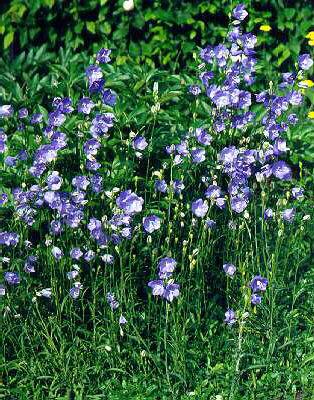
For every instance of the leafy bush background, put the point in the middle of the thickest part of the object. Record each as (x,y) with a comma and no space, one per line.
(156,32)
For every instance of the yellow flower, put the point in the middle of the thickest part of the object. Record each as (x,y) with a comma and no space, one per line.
(310,35)
(311,43)
(307,83)
(311,114)
(265,28)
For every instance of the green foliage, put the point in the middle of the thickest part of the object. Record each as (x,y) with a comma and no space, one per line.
(65,349)
(152,30)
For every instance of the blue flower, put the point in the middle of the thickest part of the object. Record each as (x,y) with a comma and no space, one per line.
(94,74)
(282,171)
(230,317)
(288,215)
(57,253)
(198,155)
(268,214)
(199,208)
(305,61)
(166,267)
(113,303)
(297,193)
(122,320)
(195,90)
(23,113)
(9,238)
(161,186)
(103,56)
(85,105)
(229,269)
(203,137)
(213,192)
(171,291)
(151,223)
(256,299)
(239,12)
(157,286)
(6,111)
(258,284)
(76,253)
(139,143)
(36,118)
(109,97)
(12,278)
(129,202)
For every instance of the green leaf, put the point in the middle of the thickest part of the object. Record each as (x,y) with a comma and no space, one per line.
(289,13)
(8,39)
(90,25)
(21,10)
(285,54)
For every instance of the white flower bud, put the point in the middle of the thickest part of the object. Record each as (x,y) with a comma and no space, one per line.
(246,215)
(128,5)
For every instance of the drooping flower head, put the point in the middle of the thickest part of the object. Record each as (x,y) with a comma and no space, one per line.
(305,61)
(297,193)
(76,290)
(230,317)
(6,111)
(80,182)
(239,12)
(166,267)
(288,214)
(198,155)
(268,214)
(57,253)
(203,137)
(30,263)
(54,181)
(161,186)
(139,143)
(76,253)
(36,118)
(122,320)
(109,97)
(151,223)
(23,113)
(111,299)
(256,299)
(258,284)
(107,258)
(93,73)
(178,186)
(2,290)
(9,238)
(229,269)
